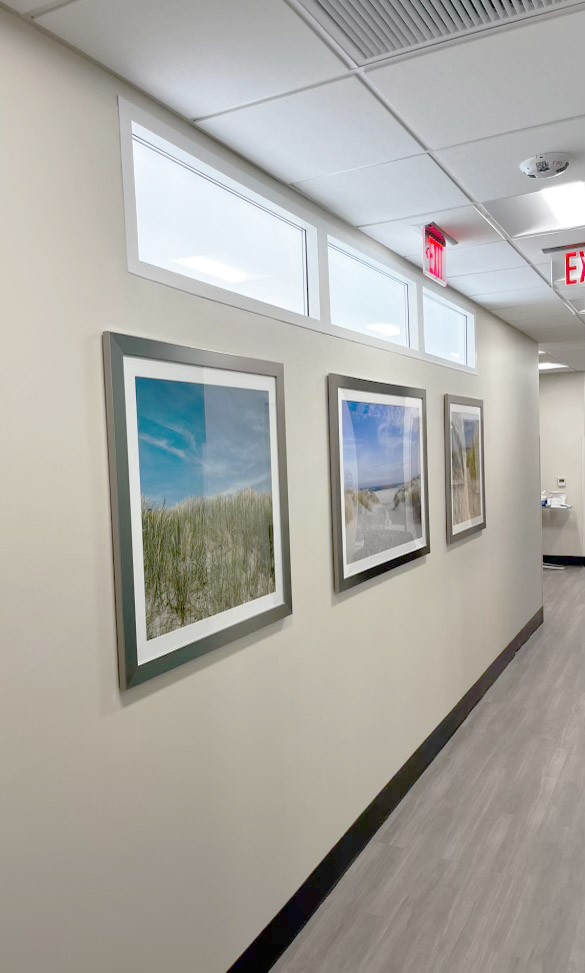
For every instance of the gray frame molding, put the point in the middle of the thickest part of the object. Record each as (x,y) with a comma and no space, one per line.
(478,403)
(334,383)
(116,348)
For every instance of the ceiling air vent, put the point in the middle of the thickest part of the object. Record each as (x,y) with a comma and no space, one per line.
(369,30)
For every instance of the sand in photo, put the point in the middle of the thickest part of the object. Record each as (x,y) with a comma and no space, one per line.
(382,477)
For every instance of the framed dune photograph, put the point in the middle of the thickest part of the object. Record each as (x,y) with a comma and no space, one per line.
(199,500)
(379,485)
(464,467)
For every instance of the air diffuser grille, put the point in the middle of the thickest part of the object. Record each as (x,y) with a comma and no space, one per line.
(370,29)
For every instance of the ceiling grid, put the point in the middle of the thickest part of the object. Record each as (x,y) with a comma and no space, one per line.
(390,113)
(370,29)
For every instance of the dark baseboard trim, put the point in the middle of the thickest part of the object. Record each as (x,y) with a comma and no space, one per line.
(567,559)
(263,953)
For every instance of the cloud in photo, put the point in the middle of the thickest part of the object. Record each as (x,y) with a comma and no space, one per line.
(381,444)
(200,440)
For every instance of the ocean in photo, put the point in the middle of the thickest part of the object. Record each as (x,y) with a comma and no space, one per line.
(382,484)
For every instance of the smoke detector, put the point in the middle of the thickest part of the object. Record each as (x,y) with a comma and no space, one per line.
(545,165)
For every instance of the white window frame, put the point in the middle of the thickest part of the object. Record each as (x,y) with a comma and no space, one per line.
(206,163)
(470,332)
(412,336)
(320,229)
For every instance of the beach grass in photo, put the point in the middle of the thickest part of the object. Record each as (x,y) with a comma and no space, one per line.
(465,467)
(381,477)
(207,518)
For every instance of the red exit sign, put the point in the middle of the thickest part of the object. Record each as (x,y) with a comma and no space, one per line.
(574,268)
(568,269)
(434,254)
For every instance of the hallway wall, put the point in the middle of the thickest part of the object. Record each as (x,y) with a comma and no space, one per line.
(562,453)
(160,830)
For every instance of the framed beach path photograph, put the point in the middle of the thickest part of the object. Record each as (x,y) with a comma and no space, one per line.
(199,500)
(379,485)
(464,467)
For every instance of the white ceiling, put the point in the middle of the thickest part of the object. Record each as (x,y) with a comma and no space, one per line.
(390,191)
(435,136)
(502,82)
(465,224)
(196,56)
(359,132)
(488,168)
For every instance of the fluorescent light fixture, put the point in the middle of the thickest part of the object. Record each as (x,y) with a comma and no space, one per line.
(385,330)
(213,268)
(566,203)
(543,366)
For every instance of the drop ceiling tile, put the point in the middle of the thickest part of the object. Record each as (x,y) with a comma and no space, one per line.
(550,334)
(489,85)
(579,304)
(541,324)
(332,128)
(567,294)
(402,238)
(543,265)
(533,246)
(477,260)
(536,315)
(495,281)
(198,57)
(566,326)
(489,169)
(537,302)
(553,332)
(528,215)
(390,191)
(545,308)
(559,332)
(463,223)
(516,298)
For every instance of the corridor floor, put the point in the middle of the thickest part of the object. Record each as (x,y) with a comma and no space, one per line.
(481,868)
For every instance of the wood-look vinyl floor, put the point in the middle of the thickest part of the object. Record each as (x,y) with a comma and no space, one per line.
(481,868)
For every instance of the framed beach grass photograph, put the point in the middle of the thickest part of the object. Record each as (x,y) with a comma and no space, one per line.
(379,484)
(464,467)
(199,500)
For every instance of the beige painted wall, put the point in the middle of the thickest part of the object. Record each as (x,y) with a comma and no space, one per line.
(562,432)
(161,830)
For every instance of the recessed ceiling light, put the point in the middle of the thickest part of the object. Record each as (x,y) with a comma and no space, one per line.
(386,330)
(545,365)
(213,268)
(566,203)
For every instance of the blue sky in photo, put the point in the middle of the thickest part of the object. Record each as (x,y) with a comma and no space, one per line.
(199,440)
(373,444)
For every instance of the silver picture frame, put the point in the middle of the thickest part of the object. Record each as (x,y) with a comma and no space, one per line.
(379,477)
(464,467)
(187,375)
